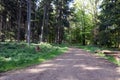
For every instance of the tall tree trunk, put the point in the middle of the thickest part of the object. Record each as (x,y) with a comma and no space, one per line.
(19,22)
(47,21)
(43,24)
(83,26)
(0,24)
(56,27)
(94,5)
(59,21)
(28,20)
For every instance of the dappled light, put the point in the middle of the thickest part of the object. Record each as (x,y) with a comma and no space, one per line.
(75,64)
(82,37)
(13,56)
(118,70)
(92,68)
(46,65)
(32,71)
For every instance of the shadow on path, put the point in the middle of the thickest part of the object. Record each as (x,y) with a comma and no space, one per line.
(76,64)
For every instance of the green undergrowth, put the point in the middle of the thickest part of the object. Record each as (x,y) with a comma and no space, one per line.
(92,49)
(15,56)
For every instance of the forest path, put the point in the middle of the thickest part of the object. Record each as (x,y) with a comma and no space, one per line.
(76,64)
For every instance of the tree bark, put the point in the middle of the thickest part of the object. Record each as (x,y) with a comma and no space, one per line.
(0,24)
(28,20)
(43,24)
(19,22)
(47,21)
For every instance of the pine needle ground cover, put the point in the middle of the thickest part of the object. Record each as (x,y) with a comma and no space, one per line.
(15,56)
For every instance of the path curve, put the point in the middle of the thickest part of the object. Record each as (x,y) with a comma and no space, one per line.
(76,64)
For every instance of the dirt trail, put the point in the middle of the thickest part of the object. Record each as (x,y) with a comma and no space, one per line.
(76,64)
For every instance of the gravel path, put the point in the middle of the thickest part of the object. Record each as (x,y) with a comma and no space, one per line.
(76,64)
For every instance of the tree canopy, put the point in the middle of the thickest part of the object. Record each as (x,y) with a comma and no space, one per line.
(58,21)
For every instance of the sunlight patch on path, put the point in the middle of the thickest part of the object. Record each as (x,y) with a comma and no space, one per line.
(88,67)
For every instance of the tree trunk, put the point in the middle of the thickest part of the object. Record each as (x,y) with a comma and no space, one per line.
(47,21)
(59,22)
(0,24)
(43,24)
(83,28)
(28,20)
(19,22)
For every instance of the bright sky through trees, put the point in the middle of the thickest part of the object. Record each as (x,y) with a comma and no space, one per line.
(86,4)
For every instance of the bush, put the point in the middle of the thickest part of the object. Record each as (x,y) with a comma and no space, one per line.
(13,55)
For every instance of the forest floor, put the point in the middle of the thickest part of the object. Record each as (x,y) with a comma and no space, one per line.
(75,64)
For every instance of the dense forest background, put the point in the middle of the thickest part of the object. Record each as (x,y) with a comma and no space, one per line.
(95,22)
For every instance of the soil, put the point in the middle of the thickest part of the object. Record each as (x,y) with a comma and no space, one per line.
(75,64)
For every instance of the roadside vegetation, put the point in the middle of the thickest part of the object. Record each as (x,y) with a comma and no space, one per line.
(14,56)
(97,50)
(84,22)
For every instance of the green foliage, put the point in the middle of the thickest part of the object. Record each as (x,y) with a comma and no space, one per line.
(109,23)
(92,49)
(55,18)
(14,56)
(81,25)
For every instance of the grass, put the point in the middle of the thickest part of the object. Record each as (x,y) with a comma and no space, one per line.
(15,56)
(92,49)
